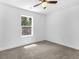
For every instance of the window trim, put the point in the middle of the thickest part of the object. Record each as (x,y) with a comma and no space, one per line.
(26,26)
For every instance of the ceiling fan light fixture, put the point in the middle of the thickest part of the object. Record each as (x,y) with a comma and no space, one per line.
(44,5)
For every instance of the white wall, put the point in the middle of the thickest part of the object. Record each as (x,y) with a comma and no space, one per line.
(63,27)
(10,28)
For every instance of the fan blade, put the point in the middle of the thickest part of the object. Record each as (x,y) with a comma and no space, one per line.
(40,0)
(52,2)
(43,0)
(37,5)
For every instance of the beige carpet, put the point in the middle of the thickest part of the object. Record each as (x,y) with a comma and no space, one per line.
(41,50)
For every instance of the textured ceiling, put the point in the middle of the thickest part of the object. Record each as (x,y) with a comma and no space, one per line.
(27,4)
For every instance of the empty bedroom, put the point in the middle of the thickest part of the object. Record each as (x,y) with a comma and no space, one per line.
(39,29)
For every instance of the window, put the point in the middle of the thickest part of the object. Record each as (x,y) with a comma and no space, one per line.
(27,25)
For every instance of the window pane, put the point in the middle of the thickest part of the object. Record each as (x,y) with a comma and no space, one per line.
(26,30)
(26,21)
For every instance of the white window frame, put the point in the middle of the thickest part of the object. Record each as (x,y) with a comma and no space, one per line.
(26,26)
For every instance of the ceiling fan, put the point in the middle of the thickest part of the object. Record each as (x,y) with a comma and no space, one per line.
(44,3)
